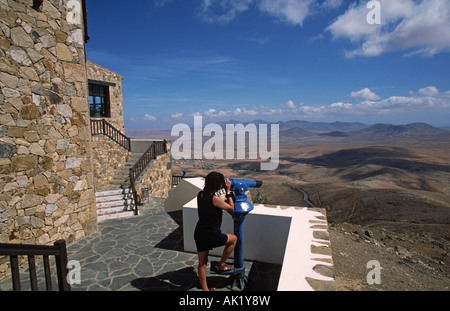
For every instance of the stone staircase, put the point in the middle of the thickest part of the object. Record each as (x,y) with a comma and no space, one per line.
(112,204)
(122,179)
(116,200)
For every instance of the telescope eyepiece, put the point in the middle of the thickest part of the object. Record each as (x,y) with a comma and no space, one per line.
(237,183)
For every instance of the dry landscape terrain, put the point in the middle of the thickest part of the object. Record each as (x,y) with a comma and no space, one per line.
(386,190)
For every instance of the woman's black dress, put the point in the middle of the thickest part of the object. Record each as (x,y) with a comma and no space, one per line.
(207,233)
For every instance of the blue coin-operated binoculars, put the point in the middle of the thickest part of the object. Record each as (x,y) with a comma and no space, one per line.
(242,207)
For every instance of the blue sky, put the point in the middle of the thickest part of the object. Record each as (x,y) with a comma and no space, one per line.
(316,60)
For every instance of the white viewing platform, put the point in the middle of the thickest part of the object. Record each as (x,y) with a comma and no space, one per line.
(297,238)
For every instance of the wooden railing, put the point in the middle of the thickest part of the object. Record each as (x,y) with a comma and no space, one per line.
(59,250)
(103,127)
(176,180)
(156,148)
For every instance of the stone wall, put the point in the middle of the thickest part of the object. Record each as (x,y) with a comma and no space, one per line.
(47,160)
(109,158)
(46,179)
(98,73)
(157,178)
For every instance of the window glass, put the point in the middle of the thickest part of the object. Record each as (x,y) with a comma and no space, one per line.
(98,100)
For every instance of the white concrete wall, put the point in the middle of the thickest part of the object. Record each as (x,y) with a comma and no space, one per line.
(299,259)
(265,232)
(184,192)
(279,235)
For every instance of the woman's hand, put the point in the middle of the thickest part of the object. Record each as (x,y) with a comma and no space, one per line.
(228,204)
(227,185)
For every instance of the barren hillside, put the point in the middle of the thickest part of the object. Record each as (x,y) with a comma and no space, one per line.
(387,199)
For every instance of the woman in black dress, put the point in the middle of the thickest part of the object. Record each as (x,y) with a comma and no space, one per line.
(207,232)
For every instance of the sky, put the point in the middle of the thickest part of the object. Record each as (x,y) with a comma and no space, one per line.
(383,61)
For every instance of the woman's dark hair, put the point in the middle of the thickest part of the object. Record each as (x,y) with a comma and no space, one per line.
(213,183)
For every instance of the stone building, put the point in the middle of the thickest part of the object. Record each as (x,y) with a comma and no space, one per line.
(46,177)
(49,92)
(106,99)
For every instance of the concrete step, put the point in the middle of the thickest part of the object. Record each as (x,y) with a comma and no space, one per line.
(120,183)
(114,192)
(109,204)
(122,178)
(113,210)
(118,203)
(117,179)
(104,217)
(109,198)
(115,203)
(123,173)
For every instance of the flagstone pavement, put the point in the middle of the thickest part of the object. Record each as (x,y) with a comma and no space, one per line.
(145,253)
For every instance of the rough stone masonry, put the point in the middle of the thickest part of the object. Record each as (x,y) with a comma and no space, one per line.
(46,175)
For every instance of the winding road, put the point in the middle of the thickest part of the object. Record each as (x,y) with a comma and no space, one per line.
(305,194)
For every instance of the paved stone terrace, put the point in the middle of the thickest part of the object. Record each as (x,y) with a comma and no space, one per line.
(146,253)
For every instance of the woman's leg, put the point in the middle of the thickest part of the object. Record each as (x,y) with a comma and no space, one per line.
(229,247)
(202,262)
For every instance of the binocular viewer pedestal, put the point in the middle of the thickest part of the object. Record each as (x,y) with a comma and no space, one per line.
(242,207)
(238,279)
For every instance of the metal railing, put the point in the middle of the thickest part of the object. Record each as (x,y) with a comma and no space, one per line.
(59,250)
(176,180)
(103,127)
(156,148)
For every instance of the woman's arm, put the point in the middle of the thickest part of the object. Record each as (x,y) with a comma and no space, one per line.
(227,205)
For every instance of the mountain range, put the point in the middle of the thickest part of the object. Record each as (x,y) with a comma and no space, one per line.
(301,129)
(297,129)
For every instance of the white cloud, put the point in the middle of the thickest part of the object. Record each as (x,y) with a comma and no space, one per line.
(366,94)
(148,117)
(288,11)
(332,4)
(214,113)
(176,115)
(222,11)
(427,99)
(368,104)
(429,91)
(289,105)
(238,112)
(415,26)
(246,112)
(291,12)
(341,105)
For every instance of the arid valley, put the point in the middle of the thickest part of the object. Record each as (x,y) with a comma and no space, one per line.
(386,190)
